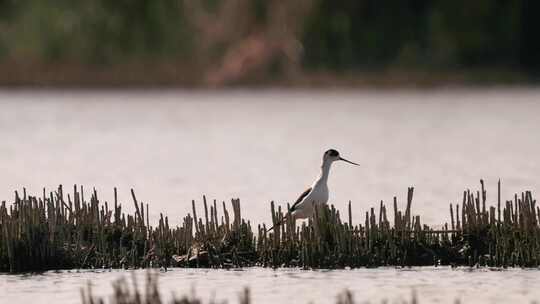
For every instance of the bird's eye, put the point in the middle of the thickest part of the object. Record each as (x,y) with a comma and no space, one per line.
(332,152)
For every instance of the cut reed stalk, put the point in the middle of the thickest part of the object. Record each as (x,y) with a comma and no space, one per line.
(41,233)
(149,293)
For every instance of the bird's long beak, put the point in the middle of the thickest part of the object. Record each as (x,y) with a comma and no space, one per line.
(348,161)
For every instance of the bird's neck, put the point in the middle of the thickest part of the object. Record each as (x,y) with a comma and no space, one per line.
(325,170)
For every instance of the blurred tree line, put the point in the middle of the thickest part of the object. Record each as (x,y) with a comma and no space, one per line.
(456,33)
(95,31)
(335,35)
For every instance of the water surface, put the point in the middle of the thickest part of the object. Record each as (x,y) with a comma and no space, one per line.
(432,285)
(175,146)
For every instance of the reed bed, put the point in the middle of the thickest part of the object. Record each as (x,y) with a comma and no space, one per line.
(123,293)
(63,231)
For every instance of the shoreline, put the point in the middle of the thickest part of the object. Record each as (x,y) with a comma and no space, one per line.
(170,75)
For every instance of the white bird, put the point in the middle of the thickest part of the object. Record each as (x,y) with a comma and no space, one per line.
(318,192)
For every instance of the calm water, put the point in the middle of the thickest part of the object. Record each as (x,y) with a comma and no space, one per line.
(174,146)
(432,285)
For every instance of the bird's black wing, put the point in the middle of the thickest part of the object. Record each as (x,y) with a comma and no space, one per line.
(300,198)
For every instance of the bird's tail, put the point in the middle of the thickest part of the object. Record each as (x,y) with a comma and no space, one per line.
(277,224)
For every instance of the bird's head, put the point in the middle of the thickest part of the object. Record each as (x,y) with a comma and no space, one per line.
(333,155)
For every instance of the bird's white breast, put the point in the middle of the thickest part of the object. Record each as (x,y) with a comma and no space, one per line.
(318,195)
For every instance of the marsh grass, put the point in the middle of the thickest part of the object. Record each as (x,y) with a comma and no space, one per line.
(62,231)
(126,293)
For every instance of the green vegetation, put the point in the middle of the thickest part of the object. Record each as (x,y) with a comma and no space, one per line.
(228,41)
(92,31)
(58,231)
(429,34)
